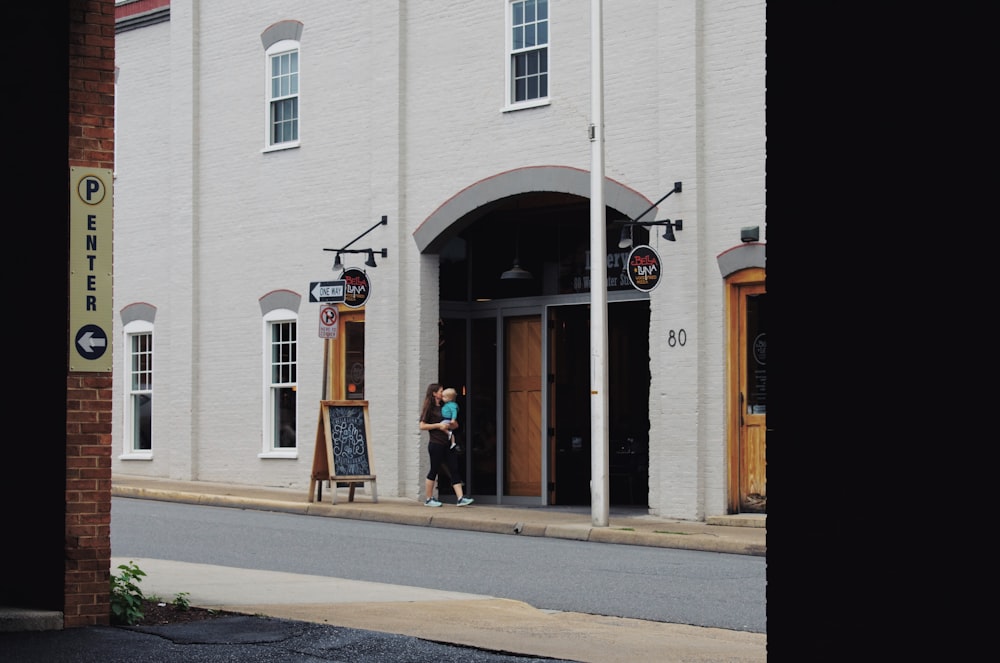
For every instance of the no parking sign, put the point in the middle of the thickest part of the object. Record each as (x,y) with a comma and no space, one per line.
(328,318)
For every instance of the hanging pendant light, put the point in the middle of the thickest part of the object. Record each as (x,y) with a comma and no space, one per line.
(516,272)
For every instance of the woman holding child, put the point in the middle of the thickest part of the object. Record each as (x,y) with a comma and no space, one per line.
(437,446)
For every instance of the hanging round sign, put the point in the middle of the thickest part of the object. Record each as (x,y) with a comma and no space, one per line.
(644,268)
(357,287)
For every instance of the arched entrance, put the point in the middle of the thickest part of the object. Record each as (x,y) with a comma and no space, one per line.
(517,349)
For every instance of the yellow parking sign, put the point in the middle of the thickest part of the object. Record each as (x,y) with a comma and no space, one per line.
(91,221)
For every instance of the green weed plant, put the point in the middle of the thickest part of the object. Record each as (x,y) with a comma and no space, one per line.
(126,597)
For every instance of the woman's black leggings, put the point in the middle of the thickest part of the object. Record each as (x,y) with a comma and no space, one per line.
(442,456)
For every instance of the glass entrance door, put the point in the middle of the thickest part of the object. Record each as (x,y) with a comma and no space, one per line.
(483,410)
(526,412)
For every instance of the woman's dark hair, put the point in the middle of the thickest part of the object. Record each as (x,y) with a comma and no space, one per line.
(429,399)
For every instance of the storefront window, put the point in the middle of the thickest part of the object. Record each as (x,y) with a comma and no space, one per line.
(354,360)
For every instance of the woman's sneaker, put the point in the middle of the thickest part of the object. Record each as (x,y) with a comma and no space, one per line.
(465,501)
(432,502)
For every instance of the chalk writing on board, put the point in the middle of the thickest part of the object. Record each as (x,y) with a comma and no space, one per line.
(350,446)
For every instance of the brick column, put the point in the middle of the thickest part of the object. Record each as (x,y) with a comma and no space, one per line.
(88,500)
(88,395)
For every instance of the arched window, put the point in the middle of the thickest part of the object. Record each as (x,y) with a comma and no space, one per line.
(138,425)
(280,383)
(527,42)
(281,46)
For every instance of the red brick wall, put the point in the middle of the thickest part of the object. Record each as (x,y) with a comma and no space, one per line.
(140,6)
(88,395)
(92,83)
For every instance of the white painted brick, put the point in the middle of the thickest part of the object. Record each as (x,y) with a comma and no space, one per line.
(400,112)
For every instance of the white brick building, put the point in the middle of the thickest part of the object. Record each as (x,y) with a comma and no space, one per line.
(229,187)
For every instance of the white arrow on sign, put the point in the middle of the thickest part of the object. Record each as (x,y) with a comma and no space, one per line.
(87,342)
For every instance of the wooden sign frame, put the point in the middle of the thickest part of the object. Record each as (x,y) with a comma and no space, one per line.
(337,441)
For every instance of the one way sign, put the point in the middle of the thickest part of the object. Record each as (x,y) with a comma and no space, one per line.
(327,291)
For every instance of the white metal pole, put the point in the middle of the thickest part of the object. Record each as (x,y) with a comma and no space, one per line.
(598,281)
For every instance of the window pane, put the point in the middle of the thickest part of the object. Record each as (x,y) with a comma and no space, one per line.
(519,65)
(284,351)
(543,9)
(142,361)
(532,63)
(756,354)
(142,424)
(284,118)
(285,74)
(531,75)
(354,351)
(518,38)
(140,386)
(529,35)
(284,417)
(481,420)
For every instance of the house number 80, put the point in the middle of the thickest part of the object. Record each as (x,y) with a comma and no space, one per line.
(678,337)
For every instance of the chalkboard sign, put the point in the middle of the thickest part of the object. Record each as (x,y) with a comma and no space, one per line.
(345,441)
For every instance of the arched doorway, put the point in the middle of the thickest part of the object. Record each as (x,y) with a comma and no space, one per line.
(517,349)
(746,320)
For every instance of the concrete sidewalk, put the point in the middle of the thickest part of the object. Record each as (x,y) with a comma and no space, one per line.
(471,620)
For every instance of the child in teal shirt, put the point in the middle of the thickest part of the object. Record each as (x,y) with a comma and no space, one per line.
(450,411)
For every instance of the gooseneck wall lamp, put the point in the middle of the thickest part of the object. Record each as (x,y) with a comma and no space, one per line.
(625,241)
(338,264)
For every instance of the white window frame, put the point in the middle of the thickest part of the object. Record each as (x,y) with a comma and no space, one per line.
(270,443)
(279,49)
(132,329)
(511,52)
